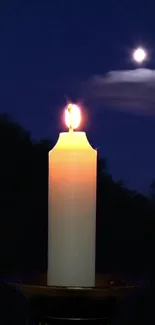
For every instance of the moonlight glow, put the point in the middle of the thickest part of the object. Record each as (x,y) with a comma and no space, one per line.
(139,55)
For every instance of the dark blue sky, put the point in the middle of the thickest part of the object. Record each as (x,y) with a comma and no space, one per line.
(48,48)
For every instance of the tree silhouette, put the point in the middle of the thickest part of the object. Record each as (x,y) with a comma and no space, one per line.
(152,190)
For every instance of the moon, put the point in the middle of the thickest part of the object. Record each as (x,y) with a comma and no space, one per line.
(139,55)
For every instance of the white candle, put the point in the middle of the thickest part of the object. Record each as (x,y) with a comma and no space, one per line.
(72,211)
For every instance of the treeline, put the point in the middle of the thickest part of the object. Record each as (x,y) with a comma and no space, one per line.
(125,219)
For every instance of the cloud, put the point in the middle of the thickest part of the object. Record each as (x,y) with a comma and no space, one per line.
(131,90)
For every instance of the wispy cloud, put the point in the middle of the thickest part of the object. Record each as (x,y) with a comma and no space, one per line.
(132,90)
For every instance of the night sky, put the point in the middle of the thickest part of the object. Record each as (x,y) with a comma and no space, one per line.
(51,51)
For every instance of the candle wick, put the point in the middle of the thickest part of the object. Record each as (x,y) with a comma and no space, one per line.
(70,112)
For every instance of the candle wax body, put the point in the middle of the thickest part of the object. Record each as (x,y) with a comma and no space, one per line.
(72,211)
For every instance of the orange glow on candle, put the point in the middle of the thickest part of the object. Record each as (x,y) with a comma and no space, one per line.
(72,211)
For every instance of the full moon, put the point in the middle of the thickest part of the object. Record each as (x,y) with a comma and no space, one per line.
(139,55)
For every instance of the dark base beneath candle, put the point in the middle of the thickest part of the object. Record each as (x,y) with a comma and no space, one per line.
(52,304)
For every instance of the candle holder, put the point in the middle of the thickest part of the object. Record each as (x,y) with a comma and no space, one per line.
(99,304)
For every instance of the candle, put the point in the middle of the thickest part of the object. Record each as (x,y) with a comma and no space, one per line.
(72,209)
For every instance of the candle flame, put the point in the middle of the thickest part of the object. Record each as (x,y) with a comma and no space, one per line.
(72,116)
